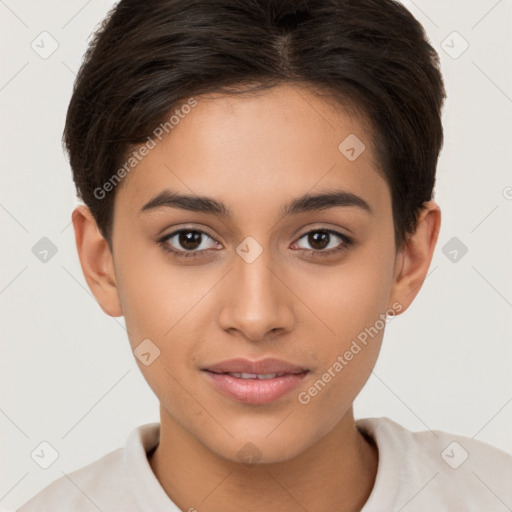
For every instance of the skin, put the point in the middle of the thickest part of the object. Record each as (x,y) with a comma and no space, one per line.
(255,153)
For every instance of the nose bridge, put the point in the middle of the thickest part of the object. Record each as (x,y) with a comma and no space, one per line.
(256,302)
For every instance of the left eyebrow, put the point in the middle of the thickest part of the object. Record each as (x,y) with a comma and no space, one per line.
(304,203)
(323,201)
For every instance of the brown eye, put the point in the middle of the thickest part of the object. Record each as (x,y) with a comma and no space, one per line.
(321,239)
(187,242)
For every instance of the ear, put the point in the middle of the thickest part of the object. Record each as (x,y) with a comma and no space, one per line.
(96,260)
(414,258)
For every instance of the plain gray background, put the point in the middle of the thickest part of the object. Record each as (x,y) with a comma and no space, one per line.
(67,374)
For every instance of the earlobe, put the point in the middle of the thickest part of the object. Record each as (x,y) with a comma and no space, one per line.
(415,257)
(96,261)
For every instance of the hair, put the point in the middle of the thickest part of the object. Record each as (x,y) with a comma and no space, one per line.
(148,56)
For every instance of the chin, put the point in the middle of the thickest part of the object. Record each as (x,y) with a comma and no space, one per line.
(255,450)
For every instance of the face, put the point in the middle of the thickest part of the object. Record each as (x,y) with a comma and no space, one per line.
(303,286)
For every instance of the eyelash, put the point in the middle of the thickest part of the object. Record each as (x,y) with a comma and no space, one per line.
(347,242)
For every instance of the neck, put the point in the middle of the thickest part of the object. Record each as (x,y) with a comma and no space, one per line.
(336,472)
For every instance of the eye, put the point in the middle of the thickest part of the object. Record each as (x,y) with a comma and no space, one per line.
(186,242)
(322,239)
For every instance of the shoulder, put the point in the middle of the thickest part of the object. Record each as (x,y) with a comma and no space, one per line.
(105,484)
(82,490)
(433,468)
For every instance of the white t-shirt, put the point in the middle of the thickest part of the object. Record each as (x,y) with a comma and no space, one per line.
(417,472)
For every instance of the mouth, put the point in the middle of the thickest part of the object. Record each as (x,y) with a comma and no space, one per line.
(268,366)
(260,376)
(255,382)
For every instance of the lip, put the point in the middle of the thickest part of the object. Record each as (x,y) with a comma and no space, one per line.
(263,366)
(255,391)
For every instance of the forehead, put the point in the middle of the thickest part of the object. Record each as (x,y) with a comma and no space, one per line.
(252,149)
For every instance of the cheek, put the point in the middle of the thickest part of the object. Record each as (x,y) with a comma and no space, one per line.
(158,308)
(349,355)
(350,297)
(163,303)
(153,294)
(352,305)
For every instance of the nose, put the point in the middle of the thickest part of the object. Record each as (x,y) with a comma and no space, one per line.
(257,302)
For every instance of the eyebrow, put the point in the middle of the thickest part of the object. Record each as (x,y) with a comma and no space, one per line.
(305,203)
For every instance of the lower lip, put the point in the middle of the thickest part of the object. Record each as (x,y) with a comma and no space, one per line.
(255,391)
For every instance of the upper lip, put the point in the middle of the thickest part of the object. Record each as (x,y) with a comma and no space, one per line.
(261,367)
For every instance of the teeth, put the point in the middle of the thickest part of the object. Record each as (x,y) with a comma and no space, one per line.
(256,376)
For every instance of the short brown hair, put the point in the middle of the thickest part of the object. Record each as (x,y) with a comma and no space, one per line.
(148,55)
